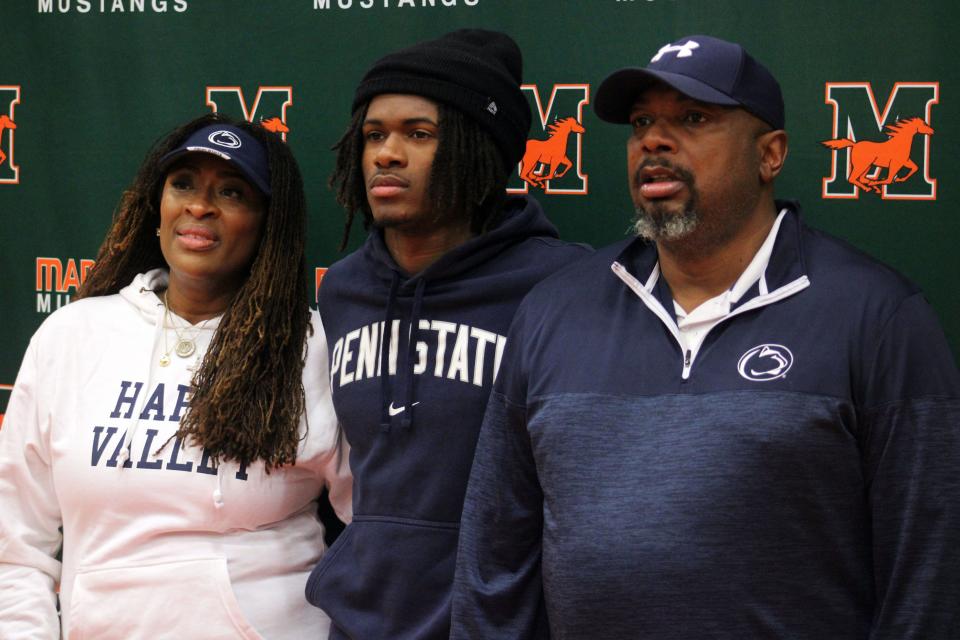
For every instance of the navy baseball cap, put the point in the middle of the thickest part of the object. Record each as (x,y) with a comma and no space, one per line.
(234,145)
(704,68)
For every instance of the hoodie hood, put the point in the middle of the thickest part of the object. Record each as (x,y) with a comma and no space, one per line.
(522,218)
(143,294)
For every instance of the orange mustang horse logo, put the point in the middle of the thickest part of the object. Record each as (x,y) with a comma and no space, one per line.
(5,123)
(274,124)
(549,154)
(892,154)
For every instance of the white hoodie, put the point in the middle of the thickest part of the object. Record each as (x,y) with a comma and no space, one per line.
(166,545)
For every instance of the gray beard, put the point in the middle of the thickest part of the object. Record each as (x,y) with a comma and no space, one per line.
(655,225)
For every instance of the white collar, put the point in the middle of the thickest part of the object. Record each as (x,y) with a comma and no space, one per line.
(755,271)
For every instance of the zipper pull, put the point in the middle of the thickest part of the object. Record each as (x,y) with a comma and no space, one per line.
(686,358)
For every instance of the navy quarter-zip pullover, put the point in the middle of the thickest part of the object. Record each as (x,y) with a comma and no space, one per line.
(797,481)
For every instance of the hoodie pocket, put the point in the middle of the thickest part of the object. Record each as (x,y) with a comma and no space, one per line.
(388,577)
(189,599)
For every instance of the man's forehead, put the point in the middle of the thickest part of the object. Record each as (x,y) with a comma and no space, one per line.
(406,107)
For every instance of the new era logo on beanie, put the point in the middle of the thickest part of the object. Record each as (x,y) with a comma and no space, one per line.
(702,67)
(474,70)
(234,145)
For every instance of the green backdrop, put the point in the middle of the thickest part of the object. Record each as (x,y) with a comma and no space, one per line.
(90,84)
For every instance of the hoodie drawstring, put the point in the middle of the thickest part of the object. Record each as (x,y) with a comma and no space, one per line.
(218,492)
(411,347)
(158,328)
(404,369)
(384,356)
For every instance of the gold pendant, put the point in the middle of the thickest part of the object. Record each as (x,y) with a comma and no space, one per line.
(185,348)
(164,360)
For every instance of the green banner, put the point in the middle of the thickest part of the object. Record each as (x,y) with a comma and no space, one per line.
(87,85)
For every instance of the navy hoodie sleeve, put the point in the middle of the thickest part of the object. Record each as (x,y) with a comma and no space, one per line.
(911,446)
(497,589)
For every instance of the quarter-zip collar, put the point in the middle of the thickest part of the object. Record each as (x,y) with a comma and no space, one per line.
(782,275)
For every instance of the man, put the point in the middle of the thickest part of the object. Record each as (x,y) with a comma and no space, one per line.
(416,319)
(732,426)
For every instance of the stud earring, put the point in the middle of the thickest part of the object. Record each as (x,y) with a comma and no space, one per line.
(158,232)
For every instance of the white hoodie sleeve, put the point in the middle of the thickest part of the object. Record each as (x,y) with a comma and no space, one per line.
(340,482)
(30,522)
(322,418)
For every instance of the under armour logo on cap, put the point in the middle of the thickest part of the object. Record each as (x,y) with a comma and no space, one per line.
(704,68)
(683,51)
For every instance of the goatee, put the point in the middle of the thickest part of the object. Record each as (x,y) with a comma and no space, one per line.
(654,222)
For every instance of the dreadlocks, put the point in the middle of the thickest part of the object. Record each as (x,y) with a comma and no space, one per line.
(248,394)
(468,175)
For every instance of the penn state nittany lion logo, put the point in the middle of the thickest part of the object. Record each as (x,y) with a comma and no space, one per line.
(868,159)
(765,362)
(226,139)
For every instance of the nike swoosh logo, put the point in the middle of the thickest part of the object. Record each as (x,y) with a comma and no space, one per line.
(395,411)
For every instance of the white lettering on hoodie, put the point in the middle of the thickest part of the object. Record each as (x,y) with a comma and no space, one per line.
(447,350)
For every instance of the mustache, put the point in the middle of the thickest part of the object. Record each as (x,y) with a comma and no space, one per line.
(684,175)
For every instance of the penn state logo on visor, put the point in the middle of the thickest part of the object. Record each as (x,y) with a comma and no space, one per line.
(224,139)
(765,362)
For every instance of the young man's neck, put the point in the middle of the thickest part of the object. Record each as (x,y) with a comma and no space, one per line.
(415,250)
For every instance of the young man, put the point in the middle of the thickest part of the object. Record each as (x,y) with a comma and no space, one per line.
(416,319)
(760,424)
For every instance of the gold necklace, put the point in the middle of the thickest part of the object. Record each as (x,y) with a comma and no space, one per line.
(185,345)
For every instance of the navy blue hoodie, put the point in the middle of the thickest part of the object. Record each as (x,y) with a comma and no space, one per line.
(411,410)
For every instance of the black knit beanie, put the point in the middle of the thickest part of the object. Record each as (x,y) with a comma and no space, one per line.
(474,70)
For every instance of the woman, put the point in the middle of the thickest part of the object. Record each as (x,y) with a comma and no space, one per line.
(192,523)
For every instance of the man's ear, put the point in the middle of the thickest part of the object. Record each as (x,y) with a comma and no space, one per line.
(772,150)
